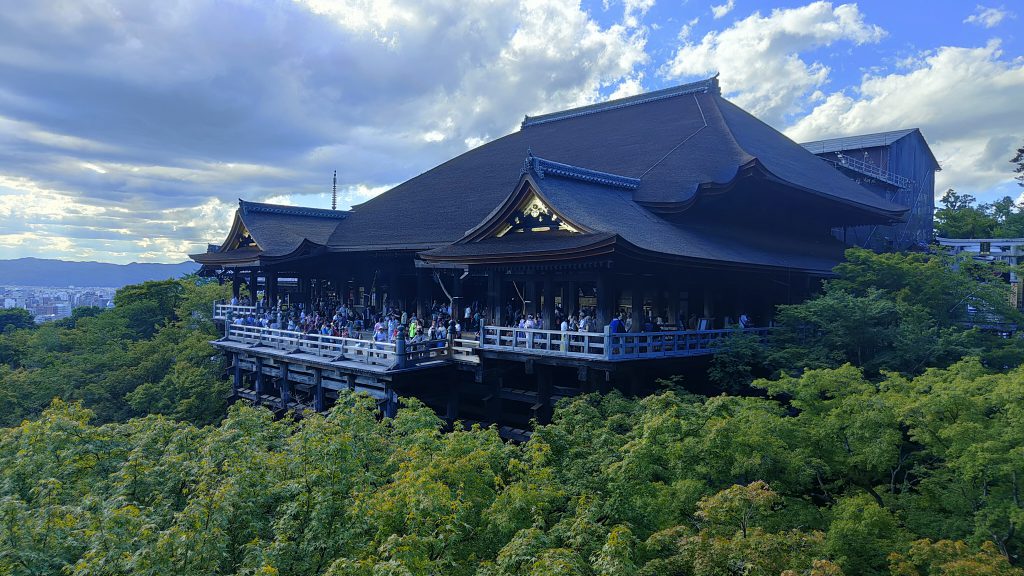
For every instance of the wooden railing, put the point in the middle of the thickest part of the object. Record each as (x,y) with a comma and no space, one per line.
(464,350)
(608,346)
(328,347)
(544,342)
(221,311)
(582,345)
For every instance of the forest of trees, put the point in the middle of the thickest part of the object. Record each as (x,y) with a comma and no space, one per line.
(875,434)
(148,355)
(960,216)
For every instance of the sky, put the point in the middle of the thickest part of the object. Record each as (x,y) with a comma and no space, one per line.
(130,129)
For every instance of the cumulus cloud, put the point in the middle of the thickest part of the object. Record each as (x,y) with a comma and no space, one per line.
(965,100)
(686,29)
(988,17)
(158,113)
(634,10)
(776,86)
(721,10)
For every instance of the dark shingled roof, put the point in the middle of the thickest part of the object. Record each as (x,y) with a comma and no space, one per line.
(238,256)
(277,229)
(610,211)
(862,141)
(676,142)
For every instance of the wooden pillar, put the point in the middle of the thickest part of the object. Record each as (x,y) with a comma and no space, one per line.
(660,302)
(458,302)
(423,291)
(495,300)
(544,387)
(271,294)
(236,382)
(286,390)
(529,289)
(709,304)
(254,278)
(236,284)
(306,286)
(492,402)
(390,402)
(570,297)
(318,390)
(259,380)
(394,291)
(549,304)
(452,404)
(672,304)
(606,299)
(637,306)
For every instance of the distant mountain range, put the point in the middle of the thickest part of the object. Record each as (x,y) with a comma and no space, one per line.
(41,272)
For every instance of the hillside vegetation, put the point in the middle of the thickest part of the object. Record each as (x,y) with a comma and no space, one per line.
(876,435)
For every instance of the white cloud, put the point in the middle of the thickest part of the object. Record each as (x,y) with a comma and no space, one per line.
(721,10)
(202,100)
(634,10)
(965,100)
(759,57)
(988,17)
(684,32)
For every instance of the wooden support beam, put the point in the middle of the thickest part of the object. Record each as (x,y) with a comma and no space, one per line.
(423,292)
(544,378)
(259,379)
(452,404)
(637,307)
(318,391)
(286,391)
(549,322)
(236,382)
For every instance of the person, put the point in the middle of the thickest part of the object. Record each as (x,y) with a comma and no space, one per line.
(617,325)
(691,324)
(565,334)
(744,321)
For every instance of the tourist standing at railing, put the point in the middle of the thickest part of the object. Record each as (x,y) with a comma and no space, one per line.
(744,321)
(617,325)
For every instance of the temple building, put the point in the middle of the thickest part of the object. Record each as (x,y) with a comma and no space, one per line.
(897,165)
(675,210)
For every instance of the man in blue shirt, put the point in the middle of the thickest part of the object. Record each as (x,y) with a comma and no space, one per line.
(617,326)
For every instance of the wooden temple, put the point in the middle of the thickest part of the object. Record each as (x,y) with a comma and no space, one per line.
(676,209)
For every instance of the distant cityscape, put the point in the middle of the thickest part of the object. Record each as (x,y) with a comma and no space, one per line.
(48,303)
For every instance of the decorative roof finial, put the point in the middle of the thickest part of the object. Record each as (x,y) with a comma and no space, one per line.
(334,192)
(529,160)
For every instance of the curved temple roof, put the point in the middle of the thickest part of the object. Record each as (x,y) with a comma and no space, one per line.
(275,230)
(636,159)
(676,143)
(608,219)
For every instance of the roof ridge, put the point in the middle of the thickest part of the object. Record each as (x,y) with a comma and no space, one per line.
(543,167)
(263,207)
(706,86)
(852,137)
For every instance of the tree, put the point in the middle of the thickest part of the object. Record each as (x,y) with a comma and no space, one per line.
(15,319)
(960,218)
(1018,169)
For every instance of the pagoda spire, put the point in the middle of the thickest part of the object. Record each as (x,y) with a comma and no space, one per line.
(334,192)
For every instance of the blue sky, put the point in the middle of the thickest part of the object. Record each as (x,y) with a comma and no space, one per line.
(128,130)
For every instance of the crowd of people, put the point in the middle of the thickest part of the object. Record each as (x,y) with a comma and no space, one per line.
(332,317)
